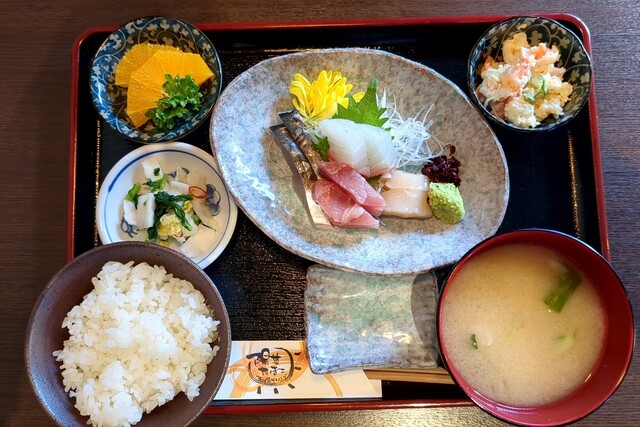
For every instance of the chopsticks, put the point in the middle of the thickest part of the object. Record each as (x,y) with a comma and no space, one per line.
(436,375)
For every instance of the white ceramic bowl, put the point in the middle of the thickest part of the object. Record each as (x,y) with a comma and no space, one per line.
(127,171)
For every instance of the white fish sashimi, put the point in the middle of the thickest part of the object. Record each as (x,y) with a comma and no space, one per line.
(346,140)
(406,203)
(346,143)
(381,153)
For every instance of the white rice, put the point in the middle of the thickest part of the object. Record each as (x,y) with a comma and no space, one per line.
(140,337)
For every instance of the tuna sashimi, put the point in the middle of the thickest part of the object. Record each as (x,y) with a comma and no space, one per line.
(354,184)
(340,207)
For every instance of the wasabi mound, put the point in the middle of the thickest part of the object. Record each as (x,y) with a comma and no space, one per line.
(446,202)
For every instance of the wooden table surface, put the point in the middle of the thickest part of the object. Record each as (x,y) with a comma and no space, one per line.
(36,40)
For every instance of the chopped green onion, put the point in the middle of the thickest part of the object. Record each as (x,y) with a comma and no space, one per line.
(474,342)
(567,283)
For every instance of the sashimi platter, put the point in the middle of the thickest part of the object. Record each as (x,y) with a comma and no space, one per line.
(361,160)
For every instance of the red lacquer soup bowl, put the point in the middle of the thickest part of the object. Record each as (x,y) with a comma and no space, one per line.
(615,356)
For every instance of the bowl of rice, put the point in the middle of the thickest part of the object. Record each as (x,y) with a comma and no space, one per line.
(128,333)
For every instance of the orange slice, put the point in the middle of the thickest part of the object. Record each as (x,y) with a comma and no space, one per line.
(138,118)
(135,58)
(145,84)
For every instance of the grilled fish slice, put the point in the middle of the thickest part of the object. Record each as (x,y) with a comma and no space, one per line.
(303,175)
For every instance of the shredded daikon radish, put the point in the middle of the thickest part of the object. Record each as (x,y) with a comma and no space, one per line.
(411,136)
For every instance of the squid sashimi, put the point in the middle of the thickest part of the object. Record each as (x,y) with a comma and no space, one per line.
(405,195)
(381,154)
(406,203)
(404,180)
(354,184)
(346,143)
(340,208)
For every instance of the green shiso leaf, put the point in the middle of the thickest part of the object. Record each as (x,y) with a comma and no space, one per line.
(366,111)
(322,147)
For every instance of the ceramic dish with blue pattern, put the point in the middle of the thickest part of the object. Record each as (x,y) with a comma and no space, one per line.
(573,57)
(111,100)
(110,217)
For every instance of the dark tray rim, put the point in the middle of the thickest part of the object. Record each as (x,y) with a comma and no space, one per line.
(275,406)
(363,23)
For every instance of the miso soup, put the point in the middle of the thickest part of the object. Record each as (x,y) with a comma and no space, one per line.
(507,333)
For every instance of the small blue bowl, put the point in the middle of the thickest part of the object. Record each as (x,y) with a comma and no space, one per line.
(573,57)
(111,100)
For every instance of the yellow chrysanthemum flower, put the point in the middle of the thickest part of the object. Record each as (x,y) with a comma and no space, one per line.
(319,100)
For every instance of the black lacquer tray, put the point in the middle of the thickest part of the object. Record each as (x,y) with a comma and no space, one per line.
(556,178)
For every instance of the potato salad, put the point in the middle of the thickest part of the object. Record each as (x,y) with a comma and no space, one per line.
(527,87)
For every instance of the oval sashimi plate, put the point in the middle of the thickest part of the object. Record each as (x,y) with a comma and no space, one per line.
(171,156)
(261,181)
